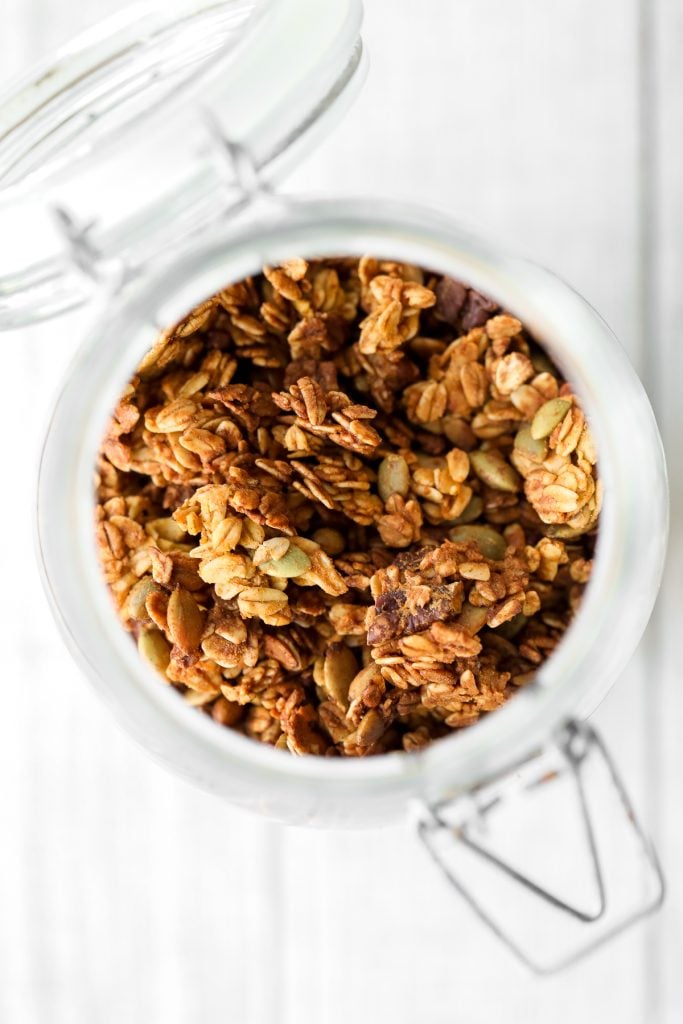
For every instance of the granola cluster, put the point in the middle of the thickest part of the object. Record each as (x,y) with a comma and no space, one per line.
(347,506)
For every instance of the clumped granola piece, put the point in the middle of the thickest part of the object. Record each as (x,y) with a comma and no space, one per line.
(347,506)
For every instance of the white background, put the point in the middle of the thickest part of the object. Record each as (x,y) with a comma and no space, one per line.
(126,896)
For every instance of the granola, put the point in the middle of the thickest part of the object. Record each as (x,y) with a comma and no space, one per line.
(347,506)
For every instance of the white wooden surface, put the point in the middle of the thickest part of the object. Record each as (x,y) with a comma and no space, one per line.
(127,896)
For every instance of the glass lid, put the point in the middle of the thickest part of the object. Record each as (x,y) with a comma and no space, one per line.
(125,145)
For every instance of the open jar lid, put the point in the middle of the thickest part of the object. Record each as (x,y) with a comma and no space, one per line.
(125,136)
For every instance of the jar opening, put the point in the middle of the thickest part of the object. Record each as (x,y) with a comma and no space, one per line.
(347,505)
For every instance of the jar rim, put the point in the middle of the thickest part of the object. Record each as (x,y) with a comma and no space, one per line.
(589,355)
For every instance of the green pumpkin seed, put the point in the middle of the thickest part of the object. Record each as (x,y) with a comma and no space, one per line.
(541,363)
(498,643)
(491,543)
(338,671)
(331,541)
(393,477)
(293,563)
(368,674)
(459,432)
(472,618)
(562,531)
(185,620)
(473,510)
(493,469)
(548,416)
(534,446)
(512,627)
(134,608)
(271,550)
(370,729)
(154,648)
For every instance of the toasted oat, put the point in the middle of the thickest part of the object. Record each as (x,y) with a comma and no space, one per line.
(347,506)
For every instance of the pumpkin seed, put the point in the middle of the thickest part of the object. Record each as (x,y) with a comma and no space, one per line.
(185,620)
(562,531)
(512,627)
(548,416)
(339,669)
(473,510)
(393,477)
(370,729)
(491,543)
(496,642)
(534,446)
(367,675)
(540,362)
(472,618)
(524,678)
(459,432)
(331,541)
(493,469)
(271,550)
(134,608)
(154,648)
(293,563)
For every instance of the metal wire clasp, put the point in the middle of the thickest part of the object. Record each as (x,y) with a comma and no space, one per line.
(542,925)
(236,163)
(85,255)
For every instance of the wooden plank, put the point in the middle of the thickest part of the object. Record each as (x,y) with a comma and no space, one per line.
(125,894)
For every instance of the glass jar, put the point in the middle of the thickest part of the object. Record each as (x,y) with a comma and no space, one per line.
(215,219)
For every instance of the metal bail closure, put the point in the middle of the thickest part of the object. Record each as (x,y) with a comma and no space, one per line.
(235,159)
(551,856)
(237,169)
(84,255)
